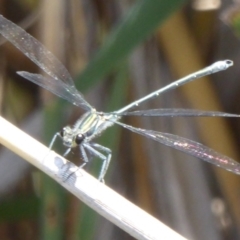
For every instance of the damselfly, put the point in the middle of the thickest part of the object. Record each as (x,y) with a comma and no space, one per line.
(93,123)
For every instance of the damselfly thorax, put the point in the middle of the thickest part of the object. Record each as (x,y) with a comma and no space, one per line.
(88,127)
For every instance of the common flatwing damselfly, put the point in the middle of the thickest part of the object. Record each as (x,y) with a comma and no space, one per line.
(91,124)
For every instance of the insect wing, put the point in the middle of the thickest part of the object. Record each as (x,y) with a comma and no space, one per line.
(177,112)
(190,147)
(44,59)
(57,87)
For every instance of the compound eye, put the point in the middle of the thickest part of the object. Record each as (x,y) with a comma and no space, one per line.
(79,138)
(61,133)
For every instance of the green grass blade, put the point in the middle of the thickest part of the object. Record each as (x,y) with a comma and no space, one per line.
(139,22)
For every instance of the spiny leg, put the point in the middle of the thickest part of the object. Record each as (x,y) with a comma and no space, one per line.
(106,159)
(106,162)
(84,156)
(67,152)
(52,142)
(85,159)
(54,139)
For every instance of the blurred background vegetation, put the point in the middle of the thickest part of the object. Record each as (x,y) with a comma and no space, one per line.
(118,51)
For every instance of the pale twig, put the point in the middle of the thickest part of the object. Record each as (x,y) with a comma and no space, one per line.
(95,194)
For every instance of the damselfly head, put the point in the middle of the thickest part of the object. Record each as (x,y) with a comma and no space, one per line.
(68,136)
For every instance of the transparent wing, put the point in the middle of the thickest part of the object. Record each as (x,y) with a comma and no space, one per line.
(190,147)
(59,88)
(177,112)
(35,51)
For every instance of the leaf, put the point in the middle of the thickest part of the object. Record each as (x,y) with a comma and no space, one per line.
(139,22)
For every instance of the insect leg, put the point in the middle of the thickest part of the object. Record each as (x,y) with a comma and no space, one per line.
(84,156)
(67,152)
(106,162)
(54,139)
(106,159)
